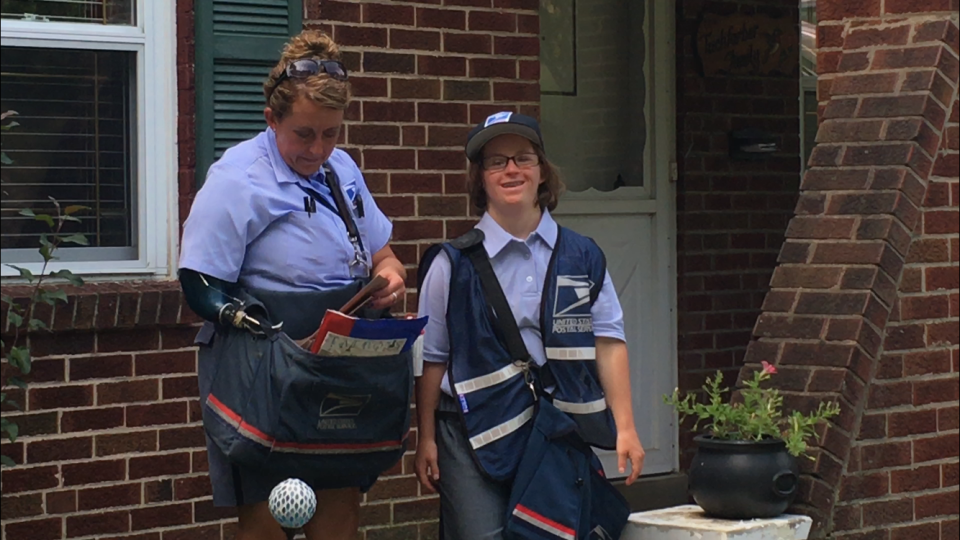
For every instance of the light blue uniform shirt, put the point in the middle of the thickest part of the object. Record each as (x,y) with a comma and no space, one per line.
(521,267)
(248,222)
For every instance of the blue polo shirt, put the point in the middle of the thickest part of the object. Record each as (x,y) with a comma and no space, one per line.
(521,268)
(248,223)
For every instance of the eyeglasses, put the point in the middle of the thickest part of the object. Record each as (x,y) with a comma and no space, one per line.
(306,67)
(522,161)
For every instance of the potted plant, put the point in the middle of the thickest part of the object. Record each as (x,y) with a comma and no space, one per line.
(746,461)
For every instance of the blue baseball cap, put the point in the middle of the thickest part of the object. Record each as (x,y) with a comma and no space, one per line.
(501,123)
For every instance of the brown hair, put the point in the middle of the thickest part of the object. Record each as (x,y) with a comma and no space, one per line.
(321,88)
(548,192)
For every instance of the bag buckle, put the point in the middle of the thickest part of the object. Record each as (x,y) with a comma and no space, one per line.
(528,376)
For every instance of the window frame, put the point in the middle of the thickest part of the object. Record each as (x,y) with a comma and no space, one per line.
(153,41)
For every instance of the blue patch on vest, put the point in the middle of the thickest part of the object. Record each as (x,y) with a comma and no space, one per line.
(463,403)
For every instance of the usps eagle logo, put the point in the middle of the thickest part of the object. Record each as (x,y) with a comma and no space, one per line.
(342,405)
(571,305)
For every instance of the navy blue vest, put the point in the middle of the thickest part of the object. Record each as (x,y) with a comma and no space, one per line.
(496,401)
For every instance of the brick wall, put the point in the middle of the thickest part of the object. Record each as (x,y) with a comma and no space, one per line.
(111,442)
(863,308)
(731,215)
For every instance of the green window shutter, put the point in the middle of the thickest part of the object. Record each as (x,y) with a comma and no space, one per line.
(237,43)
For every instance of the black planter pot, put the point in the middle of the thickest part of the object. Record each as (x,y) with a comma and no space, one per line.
(743,479)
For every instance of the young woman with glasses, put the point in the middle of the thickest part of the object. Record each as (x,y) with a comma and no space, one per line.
(474,402)
(268,219)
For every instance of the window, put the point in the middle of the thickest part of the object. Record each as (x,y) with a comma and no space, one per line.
(94,87)
(808,78)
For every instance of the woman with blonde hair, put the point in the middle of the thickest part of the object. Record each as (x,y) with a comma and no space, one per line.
(288,215)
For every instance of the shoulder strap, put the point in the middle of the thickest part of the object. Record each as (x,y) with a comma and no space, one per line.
(330,177)
(494,293)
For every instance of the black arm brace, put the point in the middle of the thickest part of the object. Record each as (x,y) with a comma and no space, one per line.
(205,299)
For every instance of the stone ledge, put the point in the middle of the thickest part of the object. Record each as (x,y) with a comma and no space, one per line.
(688,522)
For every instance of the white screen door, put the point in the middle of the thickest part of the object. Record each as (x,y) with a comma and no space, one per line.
(607,116)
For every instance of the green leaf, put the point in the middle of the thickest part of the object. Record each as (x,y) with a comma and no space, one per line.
(69,276)
(46,218)
(26,212)
(12,430)
(76,239)
(5,159)
(6,299)
(24,273)
(15,319)
(11,125)
(21,355)
(17,382)
(51,296)
(74,208)
(71,218)
(6,461)
(37,324)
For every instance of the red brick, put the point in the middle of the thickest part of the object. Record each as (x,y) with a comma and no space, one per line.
(389,159)
(442,113)
(516,46)
(905,58)
(448,66)
(924,531)
(23,506)
(886,512)
(388,14)
(441,18)
(938,504)
(902,424)
(125,443)
(185,437)
(493,68)
(913,6)
(159,465)
(98,523)
(360,36)
(871,37)
(416,182)
(381,62)
(29,479)
(441,159)
(156,491)
(157,414)
(467,43)
(180,387)
(414,39)
(867,486)
(936,448)
(128,391)
(417,230)
(92,472)
(161,516)
(341,11)
(926,362)
(919,479)
(515,92)
(60,449)
(457,90)
(848,9)
(419,510)
(373,134)
(491,21)
(90,419)
(413,89)
(128,340)
(107,497)
(37,529)
(414,135)
(60,397)
(61,502)
(165,363)
(101,367)
(194,487)
(885,454)
(940,222)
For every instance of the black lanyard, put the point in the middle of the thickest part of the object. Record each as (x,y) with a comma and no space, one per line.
(341,209)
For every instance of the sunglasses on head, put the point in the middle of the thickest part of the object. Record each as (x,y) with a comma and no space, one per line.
(306,67)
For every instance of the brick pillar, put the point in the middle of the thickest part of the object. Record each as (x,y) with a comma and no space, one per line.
(863,304)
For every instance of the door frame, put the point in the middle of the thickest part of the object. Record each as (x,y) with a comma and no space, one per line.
(661,166)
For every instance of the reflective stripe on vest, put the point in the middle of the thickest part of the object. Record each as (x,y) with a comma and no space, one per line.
(589,407)
(571,353)
(502,430)
(486,381)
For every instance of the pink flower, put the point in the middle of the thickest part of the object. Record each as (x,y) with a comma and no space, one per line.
(768,367)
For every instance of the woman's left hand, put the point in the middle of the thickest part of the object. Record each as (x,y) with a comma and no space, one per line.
(629,449)
(392,292)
